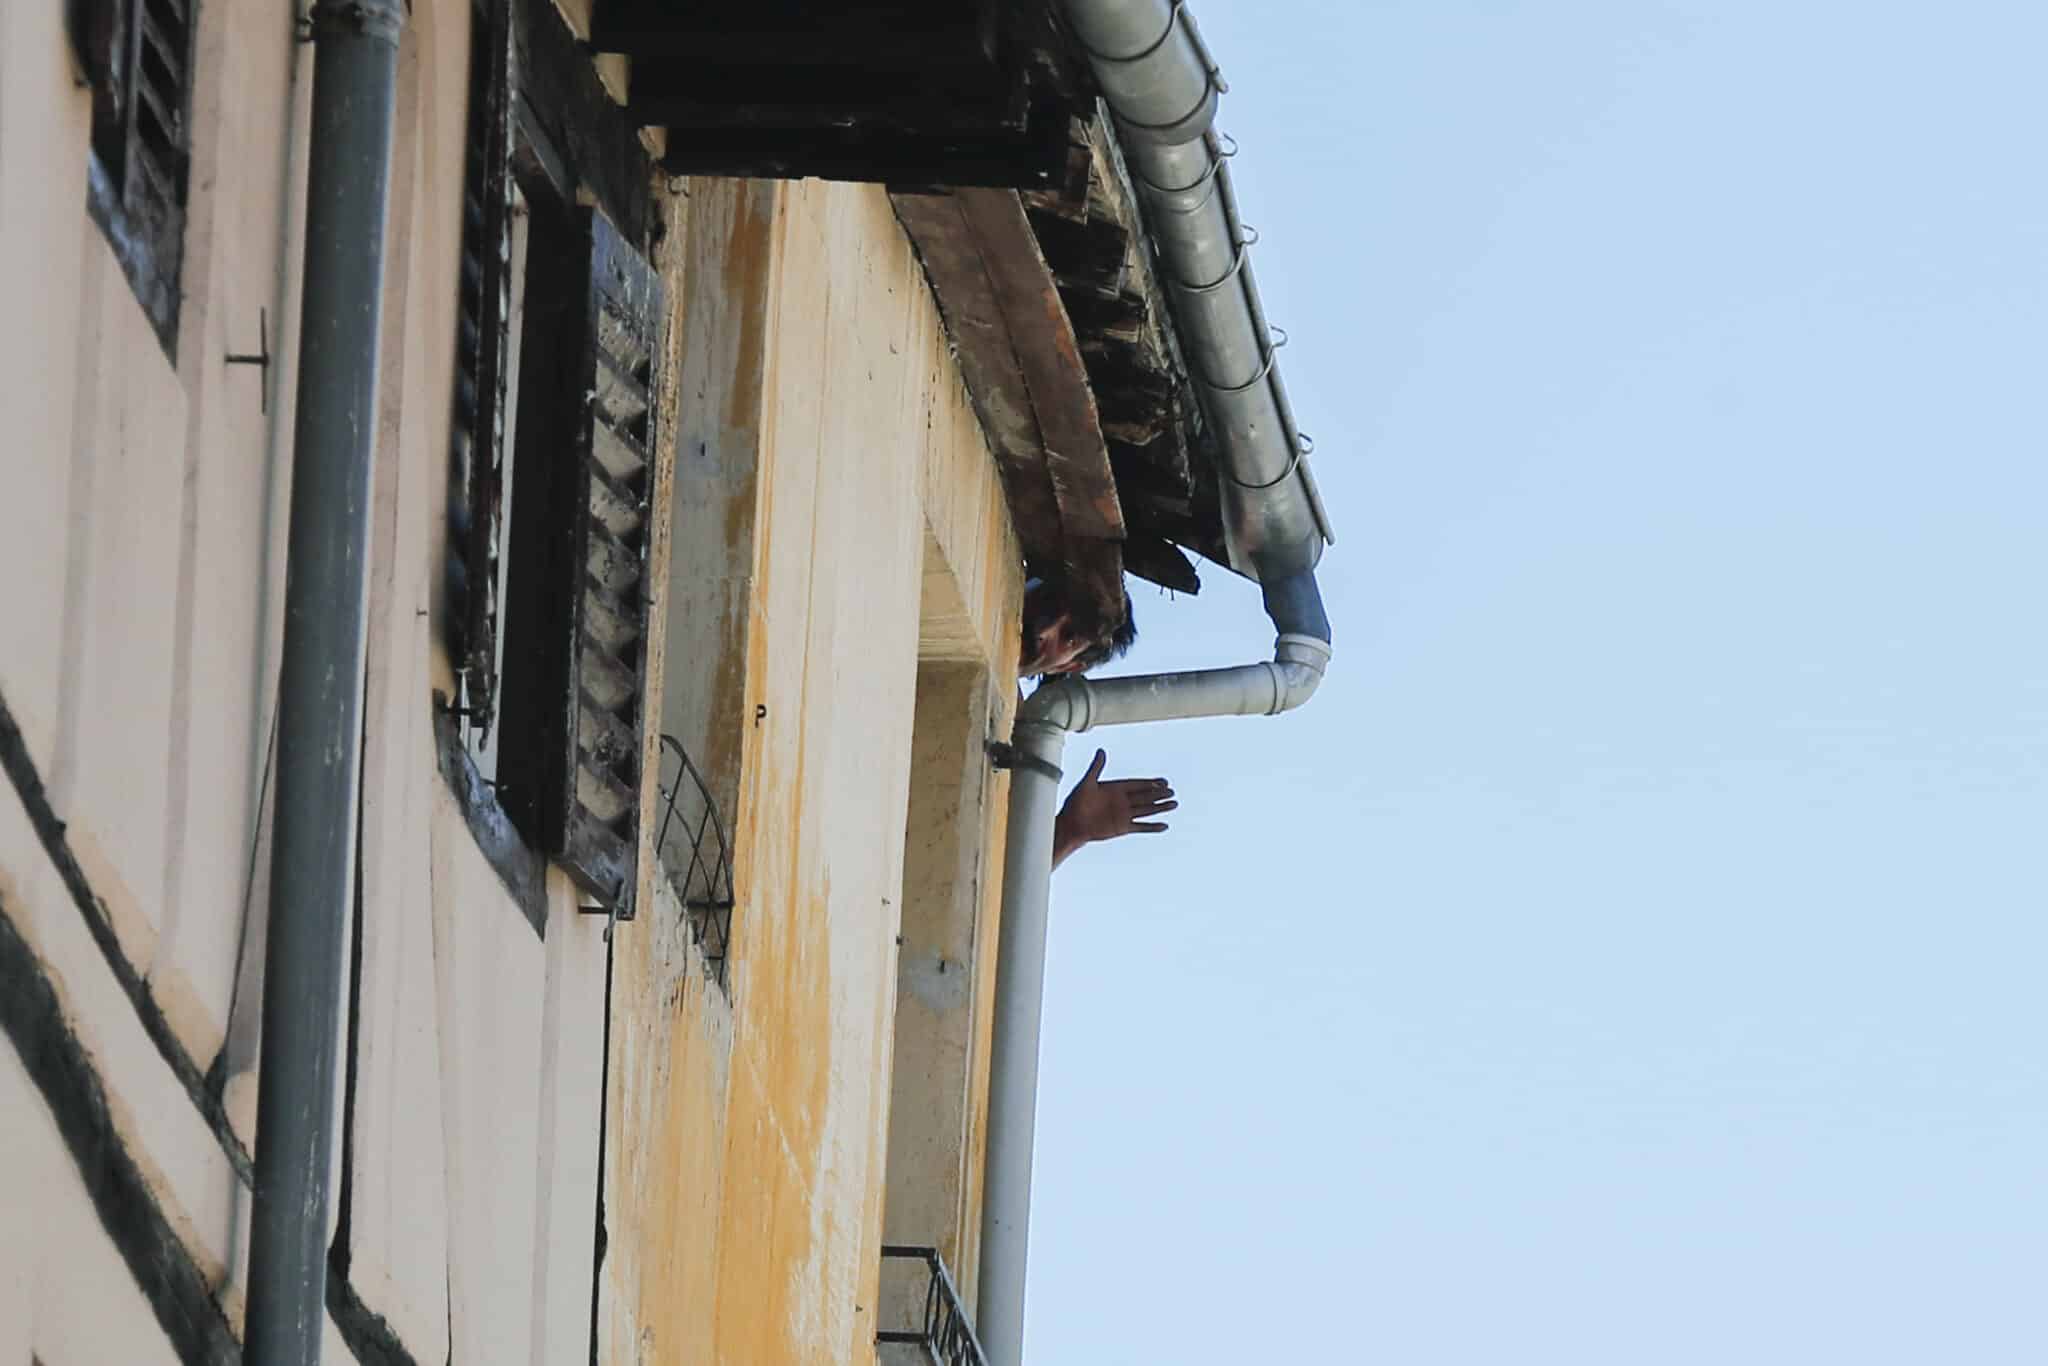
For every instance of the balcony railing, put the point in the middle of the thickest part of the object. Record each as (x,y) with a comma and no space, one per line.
(946,1335)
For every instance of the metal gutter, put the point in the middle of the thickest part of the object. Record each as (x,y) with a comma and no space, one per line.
(1161,87)
(320,686)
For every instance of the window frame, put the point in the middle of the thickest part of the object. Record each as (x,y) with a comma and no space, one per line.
(542,136)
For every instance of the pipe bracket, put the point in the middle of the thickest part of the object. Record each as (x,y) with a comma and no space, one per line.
(1302,447)
(1004,755)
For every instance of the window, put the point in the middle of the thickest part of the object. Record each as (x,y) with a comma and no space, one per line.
(137,57)
(483,342)
(557,348)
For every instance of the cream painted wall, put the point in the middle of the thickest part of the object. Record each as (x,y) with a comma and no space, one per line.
(828,449)
(146,507)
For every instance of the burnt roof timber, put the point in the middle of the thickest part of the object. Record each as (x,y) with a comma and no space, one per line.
(946,95)
(1049,356)
(905,92)
(951,257)
(1094,242)
(1024,371)
(903,35)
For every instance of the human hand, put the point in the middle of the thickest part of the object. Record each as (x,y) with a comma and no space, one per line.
(1096,810)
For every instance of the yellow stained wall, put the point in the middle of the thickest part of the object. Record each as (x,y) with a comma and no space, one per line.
(825,439)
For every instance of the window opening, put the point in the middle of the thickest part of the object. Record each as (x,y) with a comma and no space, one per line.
(558,340)
(573,705)
(483,360)
(480,737)
(137,56)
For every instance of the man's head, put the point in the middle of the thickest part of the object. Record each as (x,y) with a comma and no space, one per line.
(1067,633)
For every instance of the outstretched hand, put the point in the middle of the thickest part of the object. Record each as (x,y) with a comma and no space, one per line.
(1096,810)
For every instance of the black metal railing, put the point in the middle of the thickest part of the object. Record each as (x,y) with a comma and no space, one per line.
(696,849)
(947,1335)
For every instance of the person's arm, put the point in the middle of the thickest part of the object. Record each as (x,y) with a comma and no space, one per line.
(1096,810)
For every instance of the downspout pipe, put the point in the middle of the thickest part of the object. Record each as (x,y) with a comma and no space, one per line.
(1160,85)
(320,684)
(1053,712)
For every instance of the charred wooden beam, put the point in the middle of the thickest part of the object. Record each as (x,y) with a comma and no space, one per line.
(895,36)
(1151,471)
(1107,319)
(1049,357)
(907,92)
(850,154)
(1089,253)
(971,101)
(1158,560)
(1030,386)
(980,334)
(564,107)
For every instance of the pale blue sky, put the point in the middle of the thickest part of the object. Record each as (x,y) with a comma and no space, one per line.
(1636,954)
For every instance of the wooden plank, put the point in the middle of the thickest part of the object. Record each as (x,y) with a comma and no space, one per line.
(965,100)
(900,160)
(876,37)
(988,363)
(1022,363)
(1160,561)
(1049,355)
(564,104)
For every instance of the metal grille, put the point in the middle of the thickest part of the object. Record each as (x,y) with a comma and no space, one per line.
(946,1334)
(696,849)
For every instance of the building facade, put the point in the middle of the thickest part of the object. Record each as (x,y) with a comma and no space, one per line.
(717,429)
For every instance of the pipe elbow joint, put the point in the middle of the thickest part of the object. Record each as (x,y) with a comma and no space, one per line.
(1063,704)
(1299,662)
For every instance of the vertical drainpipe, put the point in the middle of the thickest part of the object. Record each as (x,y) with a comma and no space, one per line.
(1160,87)
(1056,710)
(1034,762)
(320,685)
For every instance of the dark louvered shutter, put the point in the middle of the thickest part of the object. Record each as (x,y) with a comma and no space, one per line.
(575,716)
(476,484)
(137,55)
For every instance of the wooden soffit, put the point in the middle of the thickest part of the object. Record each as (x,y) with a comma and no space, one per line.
(1022,363)
(954,92)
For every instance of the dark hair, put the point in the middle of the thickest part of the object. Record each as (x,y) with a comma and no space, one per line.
(1117,646)
(1052,594)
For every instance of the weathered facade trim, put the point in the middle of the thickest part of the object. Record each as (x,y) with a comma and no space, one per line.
(1024,370)
(366,1332)
(164,1269)
(580,135)
(28,785)
(523,871)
